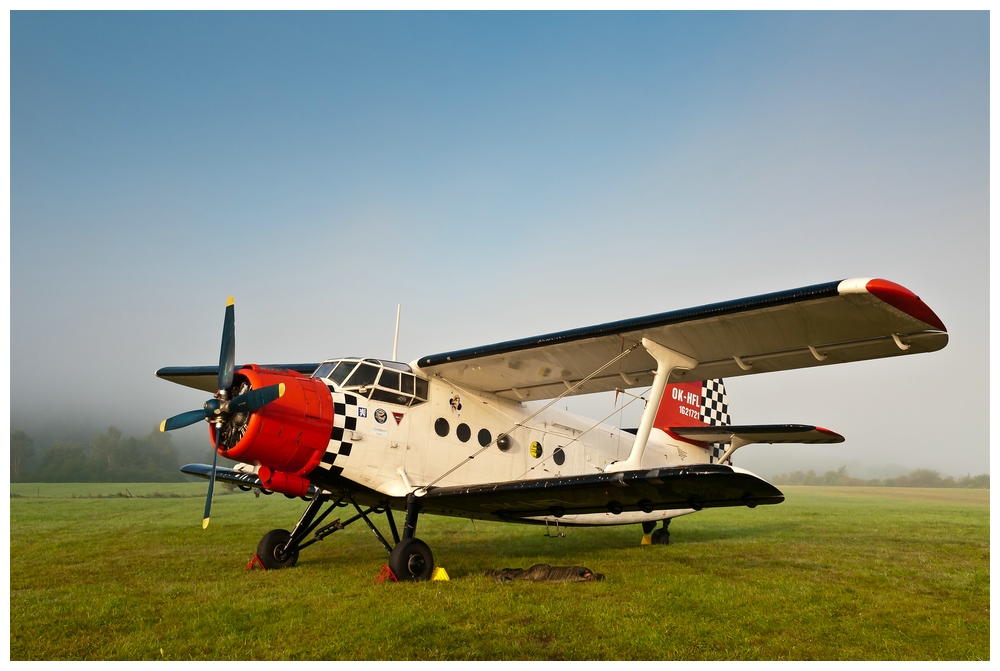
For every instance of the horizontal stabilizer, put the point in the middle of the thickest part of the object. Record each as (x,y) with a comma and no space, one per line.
(760,433)
(674,488)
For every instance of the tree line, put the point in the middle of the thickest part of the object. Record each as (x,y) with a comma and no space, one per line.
(922,477)
(108,457)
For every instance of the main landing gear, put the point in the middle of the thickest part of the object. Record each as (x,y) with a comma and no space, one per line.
(409,557)
(658,537)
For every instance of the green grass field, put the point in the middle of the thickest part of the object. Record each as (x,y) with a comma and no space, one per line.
(832,573)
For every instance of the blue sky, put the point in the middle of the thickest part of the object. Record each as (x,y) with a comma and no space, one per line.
(500,175)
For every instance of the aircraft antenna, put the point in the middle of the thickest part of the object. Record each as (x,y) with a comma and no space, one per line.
(395,341)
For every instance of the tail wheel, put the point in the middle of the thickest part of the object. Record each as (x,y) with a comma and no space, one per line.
(272,553)
(411,559)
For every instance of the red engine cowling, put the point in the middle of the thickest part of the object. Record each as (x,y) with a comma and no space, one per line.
(288,436)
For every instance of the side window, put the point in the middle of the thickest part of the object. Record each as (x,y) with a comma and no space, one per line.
(421,389)
(390,397)
(406,383)
(389,380)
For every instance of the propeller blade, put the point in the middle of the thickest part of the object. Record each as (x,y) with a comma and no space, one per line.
(211,490)
(182,420)
(256,399)
(227,356)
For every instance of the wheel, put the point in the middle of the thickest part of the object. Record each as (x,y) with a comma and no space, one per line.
(269,550)
(661,537)
(411,559)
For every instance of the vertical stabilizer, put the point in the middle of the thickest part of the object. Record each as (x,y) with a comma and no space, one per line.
(702,403)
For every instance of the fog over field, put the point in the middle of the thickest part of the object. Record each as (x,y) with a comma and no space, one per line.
(501,176)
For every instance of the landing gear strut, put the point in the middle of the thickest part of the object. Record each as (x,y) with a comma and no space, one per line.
(409,557)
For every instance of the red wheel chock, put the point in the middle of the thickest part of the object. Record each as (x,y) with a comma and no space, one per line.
(256,560)
(385,574)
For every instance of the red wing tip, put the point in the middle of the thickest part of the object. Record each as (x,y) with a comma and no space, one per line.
(830,433)
(904,300)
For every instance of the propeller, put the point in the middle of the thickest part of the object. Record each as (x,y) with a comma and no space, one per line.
(216,409)
(228,406)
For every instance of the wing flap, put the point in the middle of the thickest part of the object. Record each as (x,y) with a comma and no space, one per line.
(676,488)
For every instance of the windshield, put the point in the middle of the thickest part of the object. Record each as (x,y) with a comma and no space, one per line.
(378,380)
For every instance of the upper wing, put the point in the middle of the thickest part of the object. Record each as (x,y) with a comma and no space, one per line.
(674,488)
(206,378)
(851,320)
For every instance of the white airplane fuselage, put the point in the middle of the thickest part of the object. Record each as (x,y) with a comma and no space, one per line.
(399,448)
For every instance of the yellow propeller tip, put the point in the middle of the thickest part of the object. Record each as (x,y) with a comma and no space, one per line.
(163,426)
(281,389)
(204,523)
(229,301)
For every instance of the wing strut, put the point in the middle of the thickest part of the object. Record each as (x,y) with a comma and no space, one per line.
(667,360)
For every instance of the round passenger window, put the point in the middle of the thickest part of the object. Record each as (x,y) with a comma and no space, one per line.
(441,427)
(463,432)
(503,442)
(559,456)
(535,449)
(485,437)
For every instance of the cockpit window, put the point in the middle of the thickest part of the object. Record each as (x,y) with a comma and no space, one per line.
(325,369)
(389,380)
(363,376)
(340,374)
(396,382)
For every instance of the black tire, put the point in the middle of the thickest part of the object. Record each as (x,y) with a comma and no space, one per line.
(269,550)
(661,537)
(411,559)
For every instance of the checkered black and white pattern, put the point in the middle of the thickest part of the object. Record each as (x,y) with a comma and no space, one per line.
(714,407)
(345,421)
(715,410)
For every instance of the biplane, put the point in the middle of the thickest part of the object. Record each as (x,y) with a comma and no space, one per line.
(477,432)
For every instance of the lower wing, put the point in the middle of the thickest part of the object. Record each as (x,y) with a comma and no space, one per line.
(674,488)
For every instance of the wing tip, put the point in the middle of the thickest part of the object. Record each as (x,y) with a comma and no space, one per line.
(835,437)
(895,295)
